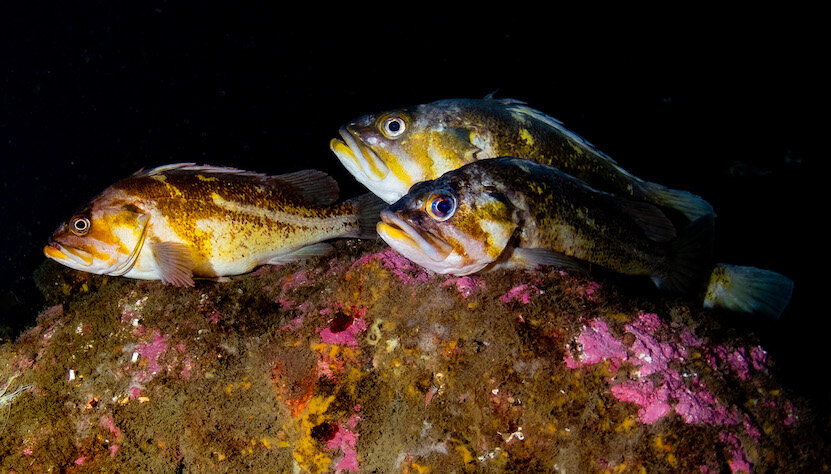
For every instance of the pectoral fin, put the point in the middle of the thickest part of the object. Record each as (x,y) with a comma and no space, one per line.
(174,263)
(536,257)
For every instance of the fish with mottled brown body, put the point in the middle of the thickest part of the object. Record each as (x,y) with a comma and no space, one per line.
(181,221)
(515,212)
(389,152)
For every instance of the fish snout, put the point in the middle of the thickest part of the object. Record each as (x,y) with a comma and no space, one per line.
(53,251)
(356,156)
(68,255)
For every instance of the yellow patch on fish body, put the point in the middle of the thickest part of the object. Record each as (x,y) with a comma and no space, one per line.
(526,136)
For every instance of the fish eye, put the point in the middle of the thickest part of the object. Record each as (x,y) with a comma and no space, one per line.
(441,207)
(79,225)
(393,126)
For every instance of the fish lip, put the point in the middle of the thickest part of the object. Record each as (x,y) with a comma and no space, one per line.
(360,158)
(60,253)
(54,251)
(433,247)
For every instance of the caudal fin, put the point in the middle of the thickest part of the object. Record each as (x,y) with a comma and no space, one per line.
(691,205)
(748,290)
(368,208)
(689,258)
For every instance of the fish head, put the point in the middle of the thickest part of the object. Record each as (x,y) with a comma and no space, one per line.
(450,226)
(391,151)
(101,239)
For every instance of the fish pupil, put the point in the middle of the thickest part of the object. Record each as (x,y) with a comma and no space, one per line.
(442,207)
(393,127)
(80,225)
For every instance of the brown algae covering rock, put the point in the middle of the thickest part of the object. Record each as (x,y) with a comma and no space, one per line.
(363,362)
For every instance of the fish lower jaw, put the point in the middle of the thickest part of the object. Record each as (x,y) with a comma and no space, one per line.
(429,253)
(54,253)
(73,258)
(399,232)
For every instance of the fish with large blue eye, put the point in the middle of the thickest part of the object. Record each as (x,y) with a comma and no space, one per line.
(516,212)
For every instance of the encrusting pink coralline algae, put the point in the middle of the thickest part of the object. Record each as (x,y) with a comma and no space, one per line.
(658,385)
(368,363)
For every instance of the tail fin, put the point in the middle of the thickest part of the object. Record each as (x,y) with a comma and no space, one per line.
(689,258)
(749,290)
(368,208)
(691,205)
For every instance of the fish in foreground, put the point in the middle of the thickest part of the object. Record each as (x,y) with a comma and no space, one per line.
(391,151)
(507,212)
(181,221)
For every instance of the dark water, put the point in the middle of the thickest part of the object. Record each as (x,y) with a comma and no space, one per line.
(723,105)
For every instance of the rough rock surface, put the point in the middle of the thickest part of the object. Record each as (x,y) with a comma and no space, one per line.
(364,362)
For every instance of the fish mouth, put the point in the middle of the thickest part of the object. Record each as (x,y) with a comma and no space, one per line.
(357,157)
(409,241)
(68,255)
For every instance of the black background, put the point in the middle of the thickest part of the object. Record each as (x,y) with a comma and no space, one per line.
(729,105)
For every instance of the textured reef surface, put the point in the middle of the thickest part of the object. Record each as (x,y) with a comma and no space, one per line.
(363,362)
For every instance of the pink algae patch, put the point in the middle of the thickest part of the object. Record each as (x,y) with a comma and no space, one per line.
(347,337)
(152,351)
(521,293)
(295,280)
(739,462)
(108,424)
(758,358)
(655,388)
(654,402)
(397,264)
(465,285)
(596,344)
(293,325)
(584,291)
(652,355)
(346,439)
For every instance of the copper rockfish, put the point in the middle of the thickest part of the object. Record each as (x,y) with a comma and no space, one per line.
(181,221)
(516,212)
(389,152)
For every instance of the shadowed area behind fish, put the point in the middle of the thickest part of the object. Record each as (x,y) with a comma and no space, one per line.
(180,221)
